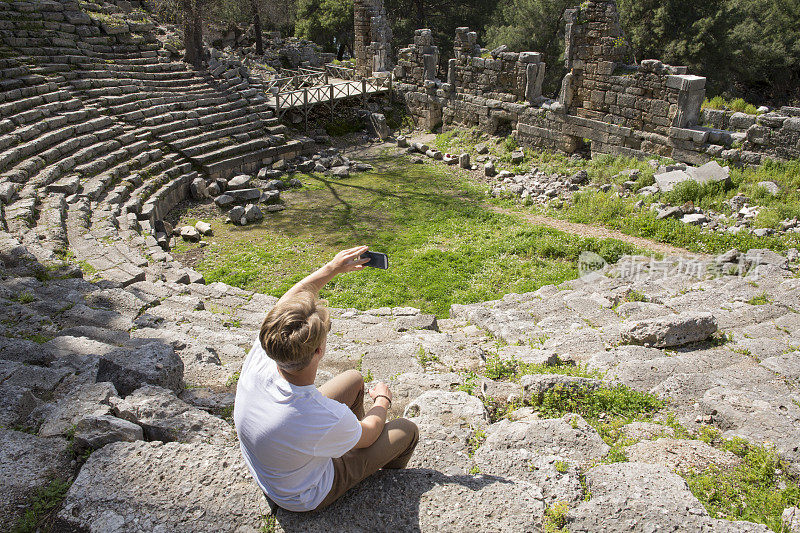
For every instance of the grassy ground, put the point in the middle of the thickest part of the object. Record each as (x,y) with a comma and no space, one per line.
(592,206)
(444,245)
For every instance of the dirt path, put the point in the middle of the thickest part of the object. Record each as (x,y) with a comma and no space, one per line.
(599,232)
(584,230)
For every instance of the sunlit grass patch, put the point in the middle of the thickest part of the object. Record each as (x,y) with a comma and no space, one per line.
(444,245)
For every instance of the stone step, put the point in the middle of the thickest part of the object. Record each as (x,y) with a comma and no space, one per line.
(251,161)
(53,146)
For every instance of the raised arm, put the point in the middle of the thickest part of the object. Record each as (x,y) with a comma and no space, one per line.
(345,261)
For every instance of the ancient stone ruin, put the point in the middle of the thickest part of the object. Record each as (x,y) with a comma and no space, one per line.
(621,108)
(373,37)
(118,364)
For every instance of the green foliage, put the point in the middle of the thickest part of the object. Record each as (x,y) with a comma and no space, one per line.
(328,23)
(269,523)
(737,104)
(513,369)
(233,380)
(691,191)
(555,518)
(561,467)
(761,299)
(475,441)
(619,401)
(424,358)
(757,490)
(24,297)
(41,504)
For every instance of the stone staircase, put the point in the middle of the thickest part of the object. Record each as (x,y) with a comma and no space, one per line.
(102,133)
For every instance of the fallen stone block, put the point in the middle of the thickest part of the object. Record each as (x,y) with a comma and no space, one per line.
(154,363)
(673,330)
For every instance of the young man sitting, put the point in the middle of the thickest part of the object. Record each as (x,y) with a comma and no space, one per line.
(305,446)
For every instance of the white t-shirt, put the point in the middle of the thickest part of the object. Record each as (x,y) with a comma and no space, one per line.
(289,433)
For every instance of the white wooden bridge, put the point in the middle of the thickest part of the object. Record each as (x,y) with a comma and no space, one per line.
(312,87)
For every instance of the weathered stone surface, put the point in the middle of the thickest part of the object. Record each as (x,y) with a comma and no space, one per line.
(673,330)
(154,363)
(16,403)
(790,519)
(426,500)
(535,385)
(144,486)
(242,181)
(165,417)
(86,401)
(92,433)
(641,497)
(450,409)
(204,228)
(189,233)
(28,463)
(680,454)
(342,171)
(570,437)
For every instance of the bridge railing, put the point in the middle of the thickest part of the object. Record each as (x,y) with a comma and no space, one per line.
(305,78)
(340,71)
(331,92)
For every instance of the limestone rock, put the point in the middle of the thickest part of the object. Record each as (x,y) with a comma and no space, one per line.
(680,454)
(570,437)
(450,409)
(190,234)
(86,401)
(342,171)
(198,189)
(640,497)
(163,416)
(673,330)
(204,228)
(28,463)
(536,384)
(224,200)
(790,520)
(489,169)
(426,500)
(154,363)
(143,486)
(92,433)
(242,181)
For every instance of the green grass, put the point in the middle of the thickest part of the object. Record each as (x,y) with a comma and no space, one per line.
(736,104)
(761,299)
(595,207)
(444,245)
(555,518)
(39,507)
(513,369)
(758,490)
(619,401)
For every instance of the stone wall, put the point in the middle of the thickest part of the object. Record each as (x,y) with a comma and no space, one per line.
(620,108)
(373,36)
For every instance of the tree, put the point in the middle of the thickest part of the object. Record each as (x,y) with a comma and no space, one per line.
(193,31)
(683,32)
(766,49)
(255,8)
(328,23)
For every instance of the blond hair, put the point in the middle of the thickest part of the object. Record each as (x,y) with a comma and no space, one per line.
(294,329)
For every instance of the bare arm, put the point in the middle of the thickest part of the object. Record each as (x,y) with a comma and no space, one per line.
(372,424)
(345,261)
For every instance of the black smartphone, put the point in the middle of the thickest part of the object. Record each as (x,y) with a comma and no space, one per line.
(376,260)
